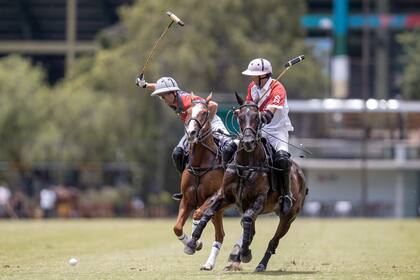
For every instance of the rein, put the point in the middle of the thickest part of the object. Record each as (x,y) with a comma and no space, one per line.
(203,135)
(240,169)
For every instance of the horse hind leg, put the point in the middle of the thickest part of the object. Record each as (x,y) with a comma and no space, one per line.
(217,244)
(282,228)
(234,261)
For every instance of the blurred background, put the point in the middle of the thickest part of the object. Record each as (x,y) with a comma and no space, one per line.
(79,139)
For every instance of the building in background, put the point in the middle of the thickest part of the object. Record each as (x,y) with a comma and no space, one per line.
(53,32)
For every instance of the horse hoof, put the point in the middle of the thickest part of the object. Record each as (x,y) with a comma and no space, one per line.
(189,250)
(233,258)
(235,266)
(260,268)
(199,245)
(206,267)
(246,257)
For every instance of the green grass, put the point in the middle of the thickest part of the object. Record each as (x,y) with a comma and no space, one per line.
(148,249)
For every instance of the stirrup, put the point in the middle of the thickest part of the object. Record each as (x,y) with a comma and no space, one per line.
(177,196)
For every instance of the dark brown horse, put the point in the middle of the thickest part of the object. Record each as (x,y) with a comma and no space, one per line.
(202,177)
(246,182)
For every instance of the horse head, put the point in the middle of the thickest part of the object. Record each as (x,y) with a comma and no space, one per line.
(198,119)
(249,123)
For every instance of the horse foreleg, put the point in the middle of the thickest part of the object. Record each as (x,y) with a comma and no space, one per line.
(282,228)
(216,204)
(183,213)
(217,244)
(248,224)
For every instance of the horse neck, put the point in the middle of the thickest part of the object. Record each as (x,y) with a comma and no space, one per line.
(253,158)
(200,154)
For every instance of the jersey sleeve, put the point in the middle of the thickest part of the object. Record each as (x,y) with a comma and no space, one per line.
(277,97)
(249,96)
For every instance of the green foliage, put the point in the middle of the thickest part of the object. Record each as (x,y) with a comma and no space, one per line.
(23,104)
(218,41)
(411,62)
(98,114)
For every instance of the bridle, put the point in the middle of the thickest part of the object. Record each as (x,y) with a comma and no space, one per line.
(256,132)
(200,134)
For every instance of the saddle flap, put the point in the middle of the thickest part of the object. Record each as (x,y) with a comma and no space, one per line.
(270,152)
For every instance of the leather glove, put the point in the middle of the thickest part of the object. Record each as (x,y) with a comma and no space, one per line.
(266,116)
(140,81)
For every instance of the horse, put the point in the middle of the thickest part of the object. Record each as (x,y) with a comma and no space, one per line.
(247,183)
(202,176)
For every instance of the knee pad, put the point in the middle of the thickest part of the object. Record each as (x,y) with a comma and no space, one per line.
(230,147)
(282,160)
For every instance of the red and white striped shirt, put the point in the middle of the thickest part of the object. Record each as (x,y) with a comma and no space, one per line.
(272,95)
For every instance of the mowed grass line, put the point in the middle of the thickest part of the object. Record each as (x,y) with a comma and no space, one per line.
(148,249)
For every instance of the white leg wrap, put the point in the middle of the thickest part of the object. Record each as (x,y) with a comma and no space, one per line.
(215,249)
(184,238)
(194,225)
(239,241)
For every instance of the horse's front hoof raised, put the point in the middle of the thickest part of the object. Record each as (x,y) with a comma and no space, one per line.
(235,266)
(260,268)
(190,248)
(206,267)
(189,251)
(246,256)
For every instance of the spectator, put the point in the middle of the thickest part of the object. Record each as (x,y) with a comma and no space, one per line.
(47,202)
(19,204)
(5,209)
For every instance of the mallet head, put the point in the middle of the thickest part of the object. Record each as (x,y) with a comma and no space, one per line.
(175,18)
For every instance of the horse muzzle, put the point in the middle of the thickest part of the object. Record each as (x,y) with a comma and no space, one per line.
(249,145)
(192,136)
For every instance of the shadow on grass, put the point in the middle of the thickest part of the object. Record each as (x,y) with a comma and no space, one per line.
(275,272)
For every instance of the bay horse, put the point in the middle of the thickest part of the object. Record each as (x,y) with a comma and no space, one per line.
(247,183)
(202,176)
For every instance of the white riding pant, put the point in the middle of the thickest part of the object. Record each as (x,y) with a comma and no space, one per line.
(216,124)
(279,141)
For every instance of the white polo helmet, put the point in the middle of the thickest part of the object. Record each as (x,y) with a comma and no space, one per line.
(164,85)
(258,67)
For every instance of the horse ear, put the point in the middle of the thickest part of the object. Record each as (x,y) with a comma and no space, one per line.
(208,99)
(239,99)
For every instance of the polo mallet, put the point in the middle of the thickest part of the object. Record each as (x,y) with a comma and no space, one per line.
(174,18)
(287,66)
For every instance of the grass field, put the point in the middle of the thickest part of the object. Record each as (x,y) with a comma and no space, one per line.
(148,249)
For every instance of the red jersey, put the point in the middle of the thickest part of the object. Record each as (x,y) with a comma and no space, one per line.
(275,95)
(184,103)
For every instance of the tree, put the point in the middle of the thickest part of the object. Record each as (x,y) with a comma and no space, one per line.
(22,95)
(208,54)
(411,60)
(218,40)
